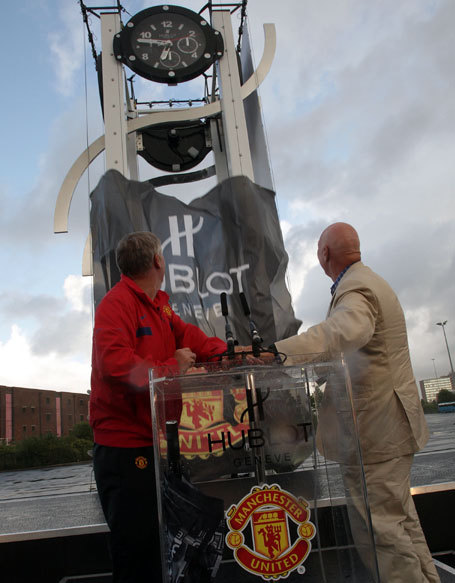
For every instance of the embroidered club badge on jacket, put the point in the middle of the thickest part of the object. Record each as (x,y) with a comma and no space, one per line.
(141,462)
(167,311)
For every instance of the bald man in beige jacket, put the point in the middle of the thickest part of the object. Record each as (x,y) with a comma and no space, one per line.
(365,322)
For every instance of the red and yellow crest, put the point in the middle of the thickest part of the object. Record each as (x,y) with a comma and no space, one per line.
(167,311)
(141,462)
(202,413)
(202,410)
(280,530)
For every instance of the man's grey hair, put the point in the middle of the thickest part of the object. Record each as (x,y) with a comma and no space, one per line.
(135,253)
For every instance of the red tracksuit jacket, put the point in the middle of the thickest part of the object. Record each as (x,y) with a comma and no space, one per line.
(132,333)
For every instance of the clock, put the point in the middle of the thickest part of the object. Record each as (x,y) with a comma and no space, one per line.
(175,147)
(168,44)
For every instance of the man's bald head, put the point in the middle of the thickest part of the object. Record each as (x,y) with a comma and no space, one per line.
(338,247)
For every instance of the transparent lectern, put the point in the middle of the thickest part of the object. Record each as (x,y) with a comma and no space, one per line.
(259,475)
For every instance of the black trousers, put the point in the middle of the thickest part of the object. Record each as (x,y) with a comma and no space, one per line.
(125,478)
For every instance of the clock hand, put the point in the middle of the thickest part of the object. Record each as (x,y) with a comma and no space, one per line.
(166,49)
(165,53)
(152,41)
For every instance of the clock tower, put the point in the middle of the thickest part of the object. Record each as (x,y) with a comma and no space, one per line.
(172,45)
(228,240)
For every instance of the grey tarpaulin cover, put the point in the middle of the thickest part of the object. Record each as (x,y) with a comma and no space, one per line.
(228,240)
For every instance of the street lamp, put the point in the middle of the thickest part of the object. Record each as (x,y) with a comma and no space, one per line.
(447,345)
(434,366)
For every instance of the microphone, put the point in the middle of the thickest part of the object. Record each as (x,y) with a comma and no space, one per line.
(256,339)
(230,340)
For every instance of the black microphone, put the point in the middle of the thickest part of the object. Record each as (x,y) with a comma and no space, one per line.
(256,339)
(230,340)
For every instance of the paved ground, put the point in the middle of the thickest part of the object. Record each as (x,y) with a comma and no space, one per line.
(61,501)
(65,497)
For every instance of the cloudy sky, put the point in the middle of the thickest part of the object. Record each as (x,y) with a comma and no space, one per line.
(359,109)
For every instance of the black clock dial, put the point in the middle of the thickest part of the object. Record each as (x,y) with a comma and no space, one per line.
(172,41)
(168,44)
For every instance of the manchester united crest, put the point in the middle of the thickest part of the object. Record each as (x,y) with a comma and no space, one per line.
(202,414)
(277,523)
(141,462)
(167,311)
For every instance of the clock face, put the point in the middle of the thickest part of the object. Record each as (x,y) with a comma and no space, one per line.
(169,41)
(168,44)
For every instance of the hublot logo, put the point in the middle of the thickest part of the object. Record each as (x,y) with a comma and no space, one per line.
(185,277)
(257,438)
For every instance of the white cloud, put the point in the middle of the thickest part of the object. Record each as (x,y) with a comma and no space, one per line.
(69,330)
(285,228)
(20,367)
(78,293)
(301,245)
(67,48)
(51,347)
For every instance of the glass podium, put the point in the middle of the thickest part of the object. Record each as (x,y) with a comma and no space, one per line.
(259,475)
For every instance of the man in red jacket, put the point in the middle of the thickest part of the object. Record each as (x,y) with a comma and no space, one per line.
(135,330)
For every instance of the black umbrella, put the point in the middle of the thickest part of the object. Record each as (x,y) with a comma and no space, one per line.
(194,522)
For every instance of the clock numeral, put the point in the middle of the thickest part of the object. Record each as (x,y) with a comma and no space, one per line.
(145,34)
(191,33)
(166,24)
(145,57)
(194,55)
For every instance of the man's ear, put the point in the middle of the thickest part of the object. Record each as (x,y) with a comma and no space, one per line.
(326,253)
(157,261)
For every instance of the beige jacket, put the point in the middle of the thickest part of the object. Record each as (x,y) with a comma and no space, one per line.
(366,323)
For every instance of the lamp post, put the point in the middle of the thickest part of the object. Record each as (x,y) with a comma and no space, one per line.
(442,324)
(435,371)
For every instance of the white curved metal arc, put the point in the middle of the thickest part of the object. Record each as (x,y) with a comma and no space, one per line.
(65,195)
(258,76)
(62,206)
(187,114)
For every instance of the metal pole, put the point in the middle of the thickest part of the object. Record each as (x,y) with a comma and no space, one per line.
(259,457)
(434,366)
(113,97)
(235,132)
(447,345)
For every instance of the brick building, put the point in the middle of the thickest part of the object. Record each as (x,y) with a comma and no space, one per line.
(36,412)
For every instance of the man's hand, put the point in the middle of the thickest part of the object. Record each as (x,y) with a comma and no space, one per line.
(268,357)
(185,358)
(197,370)
(249,358)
